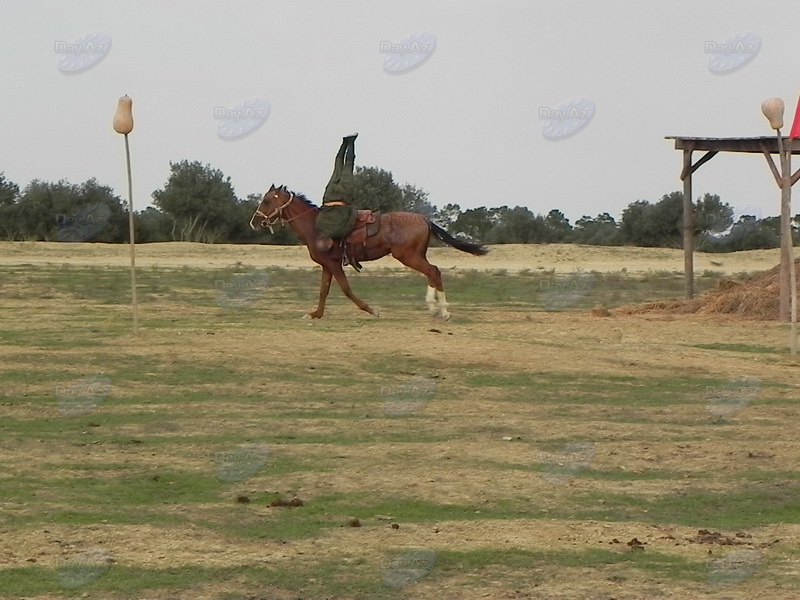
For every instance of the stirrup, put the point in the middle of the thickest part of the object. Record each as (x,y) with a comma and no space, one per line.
(355,264)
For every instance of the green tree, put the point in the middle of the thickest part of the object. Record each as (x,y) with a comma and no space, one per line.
(68,212)
(201,202)
(557,227)
(602,230)
(152,225)
(447,215)
(711,216)
(749,233)
(516,225)
(654,225)
(475,223)
(666,220)
(661,224)
(416,200)
(9,195)
(9,191)
(93,194)
(376,190)
(795,225)
(634,223)
(714,226)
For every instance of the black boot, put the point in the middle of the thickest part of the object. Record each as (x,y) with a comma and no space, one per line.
(350,153)
(349,259)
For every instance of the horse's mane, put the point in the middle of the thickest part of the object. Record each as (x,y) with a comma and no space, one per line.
(299,196)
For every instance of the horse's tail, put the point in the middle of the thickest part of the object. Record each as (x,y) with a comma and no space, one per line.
(463,245)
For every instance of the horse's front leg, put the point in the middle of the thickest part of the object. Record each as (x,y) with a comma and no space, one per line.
(341,279)
(324,288)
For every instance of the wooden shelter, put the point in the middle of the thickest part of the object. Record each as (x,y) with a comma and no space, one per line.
(767,146)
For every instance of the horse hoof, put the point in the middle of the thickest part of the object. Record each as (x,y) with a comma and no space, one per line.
(446,317)
(375,312)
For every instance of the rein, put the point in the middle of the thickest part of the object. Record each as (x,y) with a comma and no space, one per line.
(276,216)
(273,217)
(285,220)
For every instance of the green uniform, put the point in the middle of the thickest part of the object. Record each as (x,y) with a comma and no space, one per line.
(337,220)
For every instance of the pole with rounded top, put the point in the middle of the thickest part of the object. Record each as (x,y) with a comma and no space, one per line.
(773,109)
(123,124)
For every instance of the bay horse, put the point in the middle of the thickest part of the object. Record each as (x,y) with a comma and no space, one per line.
(403,234)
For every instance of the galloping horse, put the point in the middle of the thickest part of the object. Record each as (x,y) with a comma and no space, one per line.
(403,234)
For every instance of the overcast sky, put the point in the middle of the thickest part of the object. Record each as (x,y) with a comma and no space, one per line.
(545,104)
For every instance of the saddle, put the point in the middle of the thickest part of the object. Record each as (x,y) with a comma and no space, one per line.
(367,224)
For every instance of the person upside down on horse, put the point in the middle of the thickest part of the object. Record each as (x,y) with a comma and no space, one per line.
(404,235)
(337,216)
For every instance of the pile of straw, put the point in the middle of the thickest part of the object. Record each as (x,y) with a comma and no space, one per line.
(753,298)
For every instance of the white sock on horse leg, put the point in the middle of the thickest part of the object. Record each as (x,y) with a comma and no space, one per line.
(430,300)
(443,305)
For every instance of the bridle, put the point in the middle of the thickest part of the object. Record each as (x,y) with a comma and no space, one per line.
(273,218)
(276,216)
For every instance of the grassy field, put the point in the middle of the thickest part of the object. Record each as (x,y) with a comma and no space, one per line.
(525,449)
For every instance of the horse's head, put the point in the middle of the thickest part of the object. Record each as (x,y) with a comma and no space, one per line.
(270,209)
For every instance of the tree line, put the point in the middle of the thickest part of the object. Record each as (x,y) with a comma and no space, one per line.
(198,204)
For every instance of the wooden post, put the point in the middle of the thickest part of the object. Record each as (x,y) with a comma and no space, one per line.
(688,212)
(786,233)
(789,181)
(688,224)
(773,109)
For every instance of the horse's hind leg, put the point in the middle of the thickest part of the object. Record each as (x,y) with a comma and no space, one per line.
(442,299)
(434,298)
(430,300)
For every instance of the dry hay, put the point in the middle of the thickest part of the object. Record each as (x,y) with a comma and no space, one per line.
(756,297)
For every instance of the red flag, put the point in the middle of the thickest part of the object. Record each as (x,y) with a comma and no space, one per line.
(795,133)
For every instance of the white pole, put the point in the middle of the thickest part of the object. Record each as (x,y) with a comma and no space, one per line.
(134,300)
(123,123)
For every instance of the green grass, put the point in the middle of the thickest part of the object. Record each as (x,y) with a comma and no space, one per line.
(364,577)
(746,506)
(146,455)
(638,394)
(205,288)
(654,563)
(750,348)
